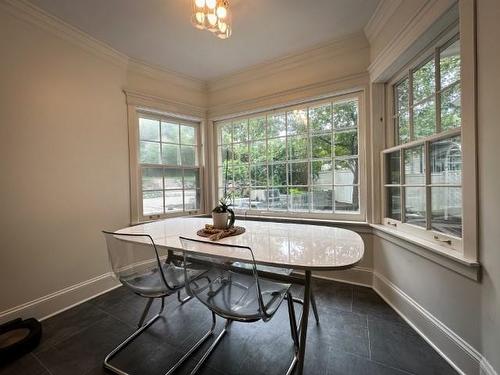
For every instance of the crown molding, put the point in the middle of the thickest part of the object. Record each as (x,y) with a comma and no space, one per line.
(423,20)
(26,11)
(156,103)
(322,51)
(385,9)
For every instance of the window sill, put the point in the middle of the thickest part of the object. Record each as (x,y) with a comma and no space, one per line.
(431,251)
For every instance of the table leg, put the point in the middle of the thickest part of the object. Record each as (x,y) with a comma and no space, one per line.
(303,323)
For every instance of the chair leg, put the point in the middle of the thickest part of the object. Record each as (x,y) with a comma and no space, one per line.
(182,300)
(212,347)
(293,322)
(141,329)
(145,312)
(313,305)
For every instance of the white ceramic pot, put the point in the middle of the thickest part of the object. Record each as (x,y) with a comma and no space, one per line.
(220,219)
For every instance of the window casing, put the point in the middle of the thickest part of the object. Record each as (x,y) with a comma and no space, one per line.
(169,175)
(301,160)
(422,173)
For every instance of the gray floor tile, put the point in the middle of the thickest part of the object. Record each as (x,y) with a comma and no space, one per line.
(26,365)
(367,301)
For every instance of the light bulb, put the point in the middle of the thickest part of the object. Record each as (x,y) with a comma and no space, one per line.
(222,27)
(200,17)
(212,19)
(211,3)
(199,3)
(221,12)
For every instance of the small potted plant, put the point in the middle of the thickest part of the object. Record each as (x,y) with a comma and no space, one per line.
(222,215)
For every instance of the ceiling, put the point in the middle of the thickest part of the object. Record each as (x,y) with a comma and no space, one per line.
(159,32)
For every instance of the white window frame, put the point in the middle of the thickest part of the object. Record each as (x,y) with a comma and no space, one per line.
(359,216)
(136,196)
(449,245)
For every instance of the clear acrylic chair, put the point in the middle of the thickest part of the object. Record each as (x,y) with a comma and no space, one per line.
(149,272)
(234,293)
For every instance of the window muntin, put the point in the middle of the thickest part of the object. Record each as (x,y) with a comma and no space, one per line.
(423,179)
(301,159)
(168,164)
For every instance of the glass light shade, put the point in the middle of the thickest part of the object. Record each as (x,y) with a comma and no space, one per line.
(199,3)
(221,11)
(226,34)
(211,4)
(222,26)
(198,20)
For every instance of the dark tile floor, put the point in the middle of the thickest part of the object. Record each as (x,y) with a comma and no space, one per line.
(358,334)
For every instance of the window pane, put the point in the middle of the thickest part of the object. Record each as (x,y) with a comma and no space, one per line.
(241,175)
(173,179)
(424,119)
(170,154)
(173,200)
(297,174)
(346,172)
(258,151)
(401,96)
(152,202)
(451,108)
(320,118)
(241,199)
(394,203)
(424,81)
(346,143)
(188,155)
(149,153)
(297,148)
(403,127)
(346,198)
(345,114)
(240,153)
(188,135)
(393,168)
(298,199)
(225,133)
(322,199)
(276,125)
(222,175)
(169,132)
(240,131)
(450,64)
(415,205)
(152,178)
(191,199)
(447,210)
(223,153)
(257,128)
(277,174)
(414,166)
(149,130)
(446,161)
(322,172)
(191,179)
(276,149)
(258,175)
(321,146)
(278,199)
(259,199)
(297,121)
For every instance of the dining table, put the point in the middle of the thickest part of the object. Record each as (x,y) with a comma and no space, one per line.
(303,247)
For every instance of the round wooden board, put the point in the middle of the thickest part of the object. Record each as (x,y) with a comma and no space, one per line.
(204,233)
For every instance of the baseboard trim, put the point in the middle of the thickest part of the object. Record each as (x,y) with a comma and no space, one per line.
(64,299)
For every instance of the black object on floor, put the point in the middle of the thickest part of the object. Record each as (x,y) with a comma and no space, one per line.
(17,338)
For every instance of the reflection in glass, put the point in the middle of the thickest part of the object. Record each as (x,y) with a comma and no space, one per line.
(446,161)
(414,166)
(446,205)
(394,203)
(278,198)
(173,178)
(423,81)
(191,199)
(424,119)
(450,64)
(173,200)
(298,199)
(346,198)
(322,198)
(152,178)
(149,130)
(393,168)
(451,108)
(191,178)
(415,206)
(152,202)
(321,172)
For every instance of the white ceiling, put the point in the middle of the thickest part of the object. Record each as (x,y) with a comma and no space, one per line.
(159,32)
